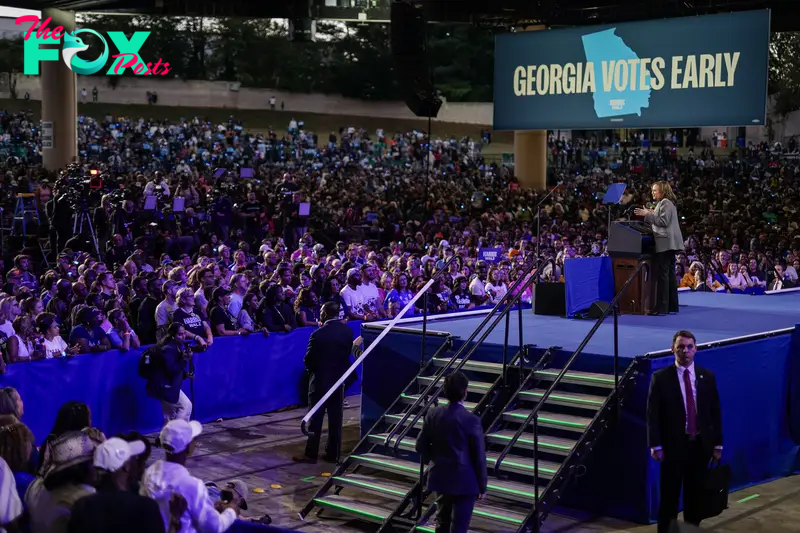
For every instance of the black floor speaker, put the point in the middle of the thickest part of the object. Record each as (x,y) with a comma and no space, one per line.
(597,309)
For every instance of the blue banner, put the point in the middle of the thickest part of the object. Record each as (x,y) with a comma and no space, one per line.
(490,255)
(684,72)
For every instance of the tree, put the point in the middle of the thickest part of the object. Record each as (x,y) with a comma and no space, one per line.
(784,71)
(463,61)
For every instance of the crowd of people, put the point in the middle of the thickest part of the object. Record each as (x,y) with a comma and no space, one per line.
(189,231)
(79,481)
(181,235)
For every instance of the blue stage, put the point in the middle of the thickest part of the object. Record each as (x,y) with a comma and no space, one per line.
(758,380)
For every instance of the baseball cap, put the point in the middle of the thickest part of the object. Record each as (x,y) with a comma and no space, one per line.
(112,454)
(219,292)
(177,435)
(240,488)
(353,272)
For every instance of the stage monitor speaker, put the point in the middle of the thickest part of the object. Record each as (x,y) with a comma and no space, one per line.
(597,309)
(409,53)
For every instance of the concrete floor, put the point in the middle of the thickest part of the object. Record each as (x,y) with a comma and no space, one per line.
(258,450)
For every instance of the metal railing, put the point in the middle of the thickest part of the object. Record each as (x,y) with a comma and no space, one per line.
(533,416)
(410,305)
(466,350)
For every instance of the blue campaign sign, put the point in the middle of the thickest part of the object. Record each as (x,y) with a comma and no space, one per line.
(490,255)
(684,72)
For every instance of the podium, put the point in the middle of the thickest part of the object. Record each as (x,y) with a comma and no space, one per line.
(630,243)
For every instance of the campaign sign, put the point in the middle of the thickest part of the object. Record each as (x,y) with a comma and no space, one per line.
(490,255)
(683,72)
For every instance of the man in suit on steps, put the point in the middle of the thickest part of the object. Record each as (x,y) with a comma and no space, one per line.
(684,430)
(452,439)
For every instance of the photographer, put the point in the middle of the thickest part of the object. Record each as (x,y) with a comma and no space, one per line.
(157,186)
(165,366)
(284,194)
(60,214)
(222,209)
(252,212)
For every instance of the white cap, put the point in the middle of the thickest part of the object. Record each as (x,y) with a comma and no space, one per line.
(112,454)
(177,435)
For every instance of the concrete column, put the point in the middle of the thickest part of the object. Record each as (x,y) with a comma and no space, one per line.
(530,149)
(530,159)
(59,100)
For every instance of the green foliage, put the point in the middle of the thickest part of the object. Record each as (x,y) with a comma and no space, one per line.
(351,59)
(784,71)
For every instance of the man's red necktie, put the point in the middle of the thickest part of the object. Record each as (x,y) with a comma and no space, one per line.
(691,409)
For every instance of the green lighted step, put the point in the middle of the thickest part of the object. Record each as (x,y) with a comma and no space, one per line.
(408,444)
(522,465)
(411,398)
(475,366)
(578,424)
(432,529)
(355,507)
(387,464)
(395,419)
(494,513)
(474,386)
(569,399)
(374,485)
(546,442)
(511,490)
(605,381)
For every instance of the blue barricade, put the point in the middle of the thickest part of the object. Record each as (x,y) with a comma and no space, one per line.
(235,377)
(588,280)
(241,526)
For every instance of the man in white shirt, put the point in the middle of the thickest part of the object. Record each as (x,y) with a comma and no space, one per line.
(353,298)
(167,306)
(369,291)
(168,476)
(477,287)
(684,430)
(238,289)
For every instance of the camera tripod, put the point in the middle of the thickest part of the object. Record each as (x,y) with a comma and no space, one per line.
(77,228)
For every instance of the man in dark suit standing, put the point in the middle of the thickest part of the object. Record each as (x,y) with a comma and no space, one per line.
(452,438)
(327,358)
(684,430)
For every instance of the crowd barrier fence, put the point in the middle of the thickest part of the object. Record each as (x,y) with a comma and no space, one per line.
(235,377)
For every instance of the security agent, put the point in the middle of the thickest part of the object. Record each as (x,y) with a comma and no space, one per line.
(452,439)
(327,359)
(684,431)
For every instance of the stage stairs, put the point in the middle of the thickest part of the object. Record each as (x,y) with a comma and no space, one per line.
(540,422)
(380,481)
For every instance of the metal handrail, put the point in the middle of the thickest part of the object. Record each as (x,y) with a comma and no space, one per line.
(369,349)
(518,288)
(535,411)
(725,342)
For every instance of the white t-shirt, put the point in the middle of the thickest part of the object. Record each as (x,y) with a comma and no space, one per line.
(164,311)
(354,300)
(236,304)
(8,329)
(55,347)
(371,297)
(25,348)
(10,504)
(477,288)
(496,292)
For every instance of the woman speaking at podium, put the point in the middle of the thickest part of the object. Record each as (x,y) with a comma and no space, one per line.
(668,240)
